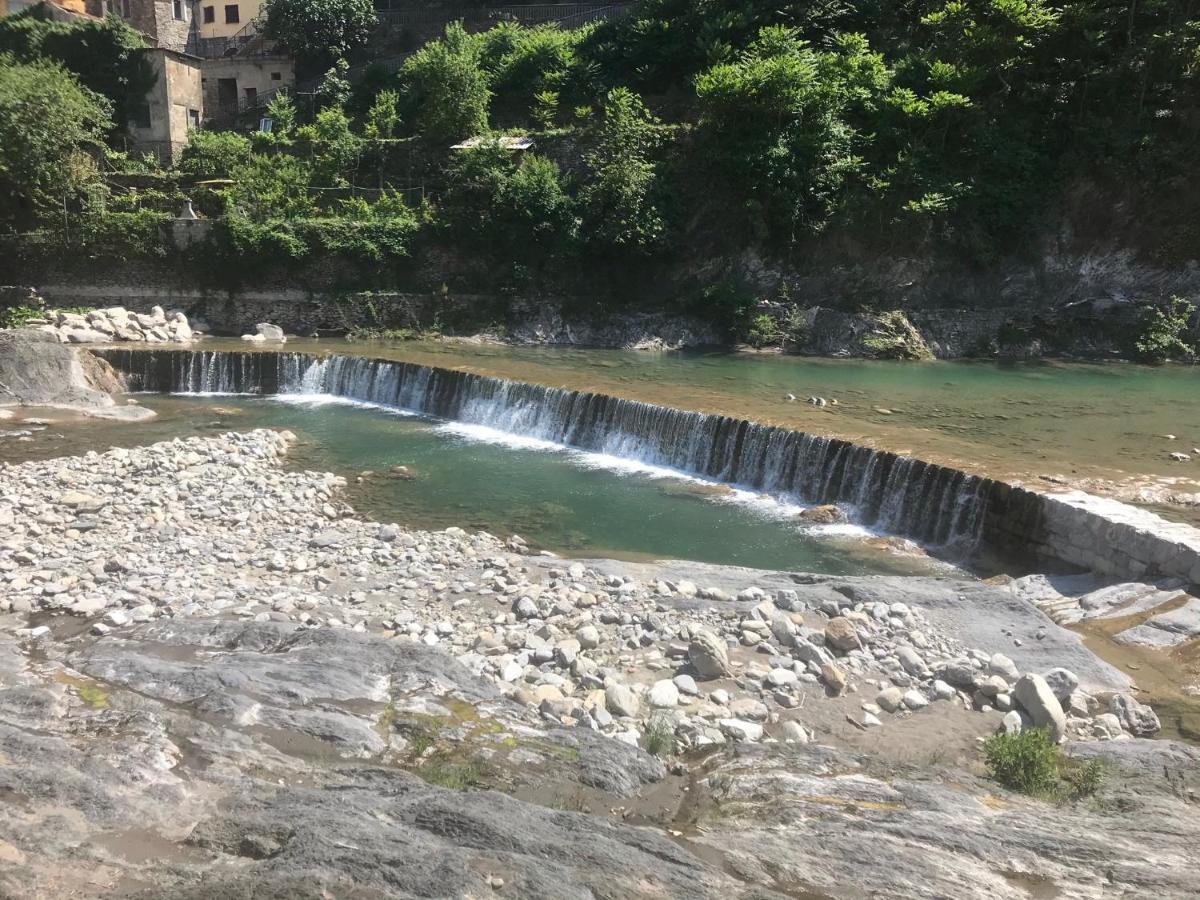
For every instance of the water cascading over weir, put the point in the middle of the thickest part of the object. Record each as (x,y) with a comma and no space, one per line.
(961,515)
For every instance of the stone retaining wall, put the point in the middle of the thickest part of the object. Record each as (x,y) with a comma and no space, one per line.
(1089,532)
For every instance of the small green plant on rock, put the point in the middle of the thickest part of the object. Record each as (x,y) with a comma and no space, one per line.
(455,774)
(1030,762)
(659,736)
(1026,761)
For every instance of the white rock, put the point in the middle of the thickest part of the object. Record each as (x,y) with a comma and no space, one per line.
(663,695)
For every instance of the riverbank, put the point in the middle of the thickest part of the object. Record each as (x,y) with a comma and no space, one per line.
(191,618)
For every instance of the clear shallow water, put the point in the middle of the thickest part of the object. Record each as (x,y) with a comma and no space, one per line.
(473,477)
(1096,426)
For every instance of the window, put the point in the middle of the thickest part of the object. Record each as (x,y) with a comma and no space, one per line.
(251,98)
(193,118)
(210,14)
(231,15)
(178,9)
(141,115)
(277,76)
(125,8)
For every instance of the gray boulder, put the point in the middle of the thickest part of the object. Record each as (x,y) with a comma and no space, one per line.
(1035,697)
(37,370)
(708,655)
(1136,718)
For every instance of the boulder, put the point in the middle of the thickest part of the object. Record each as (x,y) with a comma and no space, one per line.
(827,514)
(1062,682)
(37,370)
(1136,718)
(1034,696)
(269,332)
(620,700)
(841,634)
(708,655)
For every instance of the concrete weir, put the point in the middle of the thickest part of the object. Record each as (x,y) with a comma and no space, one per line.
(960,515)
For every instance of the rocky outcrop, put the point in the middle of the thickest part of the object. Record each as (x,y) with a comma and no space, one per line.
(37,370)
(117,325)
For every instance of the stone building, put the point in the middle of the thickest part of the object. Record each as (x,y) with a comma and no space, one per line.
(238,83)
(165,23)
(173,107)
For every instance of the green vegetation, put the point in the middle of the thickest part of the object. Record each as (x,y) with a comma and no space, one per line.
(1162,335)
(658,736)
(455,774)
(103,56)
(48,123)
(1030,762)
(684,137)
(319,32)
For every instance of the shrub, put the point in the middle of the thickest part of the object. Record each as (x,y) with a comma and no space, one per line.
(659,736)
(1026,761)
(763,330)
(446,89)
(47,123)
(1161,334)
(271,188)
(617,199)
(17,316)
(515,209)
(214,154)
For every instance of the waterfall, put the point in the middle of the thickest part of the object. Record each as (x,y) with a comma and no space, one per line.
(938,506)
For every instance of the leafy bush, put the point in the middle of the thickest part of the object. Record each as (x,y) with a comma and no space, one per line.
(104,56)
(516,209)
(47,125)
(763,330)
(446,89)
(271,188)
(331,147)
(214,154)
(617,200)
(1161,334)
(18,316)
(1026,761)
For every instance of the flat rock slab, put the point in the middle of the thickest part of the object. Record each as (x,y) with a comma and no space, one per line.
(1166,629)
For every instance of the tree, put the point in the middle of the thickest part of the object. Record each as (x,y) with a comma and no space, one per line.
(104,56)
(331,147)
(382,120)
(446,89)
(776,130)
(50,127)
(617,198)
(318,32)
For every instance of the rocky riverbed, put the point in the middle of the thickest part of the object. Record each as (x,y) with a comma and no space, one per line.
(215,680)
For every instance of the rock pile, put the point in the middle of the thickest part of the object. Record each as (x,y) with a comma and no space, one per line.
(117,324)
(215,527)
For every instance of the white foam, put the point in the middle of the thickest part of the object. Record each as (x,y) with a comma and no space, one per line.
(486,435)
(206,393)
(767,505)
(318,400)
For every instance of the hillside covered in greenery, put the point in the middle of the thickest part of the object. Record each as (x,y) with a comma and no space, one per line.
(688,130)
